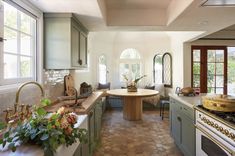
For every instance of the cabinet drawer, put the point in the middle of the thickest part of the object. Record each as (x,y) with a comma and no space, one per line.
(176,105)
(188,111)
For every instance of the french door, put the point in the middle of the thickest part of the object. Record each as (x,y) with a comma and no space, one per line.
(209,69)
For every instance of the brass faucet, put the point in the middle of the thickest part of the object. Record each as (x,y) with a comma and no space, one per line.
(27,83)
(25,109)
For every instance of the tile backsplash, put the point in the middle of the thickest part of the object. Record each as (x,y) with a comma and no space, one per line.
(53,84)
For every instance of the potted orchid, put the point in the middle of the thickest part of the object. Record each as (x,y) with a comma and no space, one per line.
(132,85)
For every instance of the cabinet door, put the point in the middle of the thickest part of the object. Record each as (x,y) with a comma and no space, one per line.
(78,151)
(98,116)
(85,150)
(75,46)
(188,137)
(91,131)
(83,50)
(176,126)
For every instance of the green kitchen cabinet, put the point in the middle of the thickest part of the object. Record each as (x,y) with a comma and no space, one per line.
(188,136)
(182,126)
(91,131)
(65,42)
(78,151)
(94,126)
(98,118)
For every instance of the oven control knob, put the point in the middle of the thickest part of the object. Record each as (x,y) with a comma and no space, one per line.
(212,123)
(226,132)
(232,136)
(221,129)
(203,119)
(216,126)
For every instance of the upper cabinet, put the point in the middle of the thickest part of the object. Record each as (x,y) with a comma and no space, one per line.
(65,42)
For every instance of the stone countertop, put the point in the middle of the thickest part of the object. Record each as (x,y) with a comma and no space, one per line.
(33,150)
(190,101)
(86,104)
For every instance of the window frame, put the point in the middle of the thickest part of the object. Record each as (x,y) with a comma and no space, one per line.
(154,70)
(162,57)
(35,57)
(129,61)
(203,66)
(99,69)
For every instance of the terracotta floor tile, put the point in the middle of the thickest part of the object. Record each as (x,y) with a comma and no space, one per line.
(148,137)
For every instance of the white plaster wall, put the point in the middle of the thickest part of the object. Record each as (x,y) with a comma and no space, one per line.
(111,44)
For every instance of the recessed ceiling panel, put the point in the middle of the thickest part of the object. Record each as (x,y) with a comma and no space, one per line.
(219,3)
(137,4)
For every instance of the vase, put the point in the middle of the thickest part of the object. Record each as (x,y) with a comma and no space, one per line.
(132,87)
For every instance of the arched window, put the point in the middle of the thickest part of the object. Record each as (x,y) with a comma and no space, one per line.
(102,70)
(162,69)
(130,64)
(157,69)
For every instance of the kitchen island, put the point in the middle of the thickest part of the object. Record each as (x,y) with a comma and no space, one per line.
(182,121)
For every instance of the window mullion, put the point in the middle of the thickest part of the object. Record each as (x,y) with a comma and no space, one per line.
(18,44)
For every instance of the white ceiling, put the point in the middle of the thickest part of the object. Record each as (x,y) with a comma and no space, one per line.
(144,15)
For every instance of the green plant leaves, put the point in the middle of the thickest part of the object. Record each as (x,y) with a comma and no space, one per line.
(6,135)
(46,102)
(44,137)
(43,131)
(2,125)
(41,112)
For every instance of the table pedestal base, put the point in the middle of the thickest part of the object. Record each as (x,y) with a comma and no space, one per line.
(132,108)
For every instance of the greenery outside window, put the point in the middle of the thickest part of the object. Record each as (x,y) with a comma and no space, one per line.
(19,45)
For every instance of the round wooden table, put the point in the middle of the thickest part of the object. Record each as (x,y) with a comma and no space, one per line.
(132,107)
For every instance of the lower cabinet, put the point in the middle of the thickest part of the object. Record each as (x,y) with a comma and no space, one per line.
(94,126)
(91,130)
(78,151)
(182,127)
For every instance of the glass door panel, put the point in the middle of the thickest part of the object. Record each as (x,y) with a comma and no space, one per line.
(196,68)
(231,71)
(215,71)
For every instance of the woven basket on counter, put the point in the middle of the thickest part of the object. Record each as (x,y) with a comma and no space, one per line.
(218,102)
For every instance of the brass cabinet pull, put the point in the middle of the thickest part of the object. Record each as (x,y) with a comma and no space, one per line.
(91,113)
(80,62)
(178,118)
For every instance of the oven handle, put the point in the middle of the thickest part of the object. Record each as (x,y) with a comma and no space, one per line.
(215,141)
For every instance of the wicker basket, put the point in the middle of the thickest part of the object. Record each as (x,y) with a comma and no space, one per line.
(222,103)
